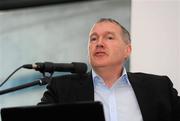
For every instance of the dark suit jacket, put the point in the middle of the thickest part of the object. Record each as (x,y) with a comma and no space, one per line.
(157,98)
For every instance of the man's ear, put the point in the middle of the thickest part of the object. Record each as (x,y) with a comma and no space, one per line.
(128,51)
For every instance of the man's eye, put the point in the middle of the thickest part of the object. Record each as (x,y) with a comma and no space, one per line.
(109,38)
(93,39)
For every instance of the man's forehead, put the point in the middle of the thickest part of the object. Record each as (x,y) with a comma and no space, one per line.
(111,26)
(105,23)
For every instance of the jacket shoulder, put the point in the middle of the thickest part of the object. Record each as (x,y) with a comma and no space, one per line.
(147,75)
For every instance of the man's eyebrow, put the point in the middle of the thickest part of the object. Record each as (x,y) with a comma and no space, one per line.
(109,32)
(105,33)
(93,34)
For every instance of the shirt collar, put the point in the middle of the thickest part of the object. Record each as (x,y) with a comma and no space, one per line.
(122,80)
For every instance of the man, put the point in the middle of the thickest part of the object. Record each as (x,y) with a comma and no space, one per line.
(125,96)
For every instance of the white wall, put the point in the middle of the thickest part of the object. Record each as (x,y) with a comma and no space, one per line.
(155,29)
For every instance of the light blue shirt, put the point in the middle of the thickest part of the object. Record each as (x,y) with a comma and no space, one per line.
(119,101)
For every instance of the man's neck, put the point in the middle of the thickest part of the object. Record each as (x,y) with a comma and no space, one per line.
(109,74)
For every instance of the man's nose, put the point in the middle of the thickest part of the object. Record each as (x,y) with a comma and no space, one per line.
(100,43)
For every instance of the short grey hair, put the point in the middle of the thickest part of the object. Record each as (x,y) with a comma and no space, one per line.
(126,34)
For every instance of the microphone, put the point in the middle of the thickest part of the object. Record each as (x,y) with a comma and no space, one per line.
(74,67)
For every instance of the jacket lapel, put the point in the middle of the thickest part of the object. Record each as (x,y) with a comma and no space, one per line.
(143,95)
(85,89)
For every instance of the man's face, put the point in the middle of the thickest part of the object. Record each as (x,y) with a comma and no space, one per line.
(106,45)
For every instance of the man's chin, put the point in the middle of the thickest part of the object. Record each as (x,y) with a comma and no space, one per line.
(99,65)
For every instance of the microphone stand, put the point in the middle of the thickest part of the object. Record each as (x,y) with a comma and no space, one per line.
(40,82)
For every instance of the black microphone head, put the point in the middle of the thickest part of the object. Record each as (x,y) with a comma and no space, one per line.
(79,67)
